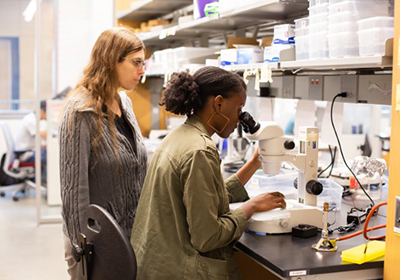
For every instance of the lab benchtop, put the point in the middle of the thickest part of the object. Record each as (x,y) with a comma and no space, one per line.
(287,255)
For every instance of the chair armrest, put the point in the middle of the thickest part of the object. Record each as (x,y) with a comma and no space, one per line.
(19,153)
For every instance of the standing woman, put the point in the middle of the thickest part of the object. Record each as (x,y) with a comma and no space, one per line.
(102,154)
(183,227)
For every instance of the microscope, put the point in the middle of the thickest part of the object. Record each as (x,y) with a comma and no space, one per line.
(274,148)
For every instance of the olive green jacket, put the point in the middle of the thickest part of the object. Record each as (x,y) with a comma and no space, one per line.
(183,227)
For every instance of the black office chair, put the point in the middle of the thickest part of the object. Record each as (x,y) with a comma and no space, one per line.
(16,175)
(105,251)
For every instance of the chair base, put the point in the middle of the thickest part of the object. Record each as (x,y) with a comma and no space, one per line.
(20,188)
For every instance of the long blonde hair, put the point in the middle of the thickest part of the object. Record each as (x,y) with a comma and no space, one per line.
(99,84)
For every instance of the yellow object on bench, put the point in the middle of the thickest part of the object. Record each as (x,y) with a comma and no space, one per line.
(375,249)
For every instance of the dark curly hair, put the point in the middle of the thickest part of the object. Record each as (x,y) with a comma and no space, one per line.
(186,93)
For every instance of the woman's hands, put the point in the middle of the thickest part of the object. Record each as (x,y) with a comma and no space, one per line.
(264,202)
(245,173)
(256,159)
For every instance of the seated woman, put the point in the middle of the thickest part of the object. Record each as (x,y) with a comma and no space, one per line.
(183,227)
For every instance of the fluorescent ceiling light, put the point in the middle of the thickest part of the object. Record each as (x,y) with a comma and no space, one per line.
(30,10)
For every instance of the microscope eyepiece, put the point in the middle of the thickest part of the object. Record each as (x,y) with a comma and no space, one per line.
(248,123)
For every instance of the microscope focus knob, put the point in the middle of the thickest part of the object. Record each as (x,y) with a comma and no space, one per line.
(314,187)
(289,145)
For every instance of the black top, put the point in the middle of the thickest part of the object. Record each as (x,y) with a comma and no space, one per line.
(123,127)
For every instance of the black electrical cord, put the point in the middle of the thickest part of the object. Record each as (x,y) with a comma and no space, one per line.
(333,162)
(344,94)
(333,156)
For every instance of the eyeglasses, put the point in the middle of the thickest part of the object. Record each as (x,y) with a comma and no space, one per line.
(140,64)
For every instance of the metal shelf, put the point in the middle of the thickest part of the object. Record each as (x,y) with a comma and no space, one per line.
(244,17)
(252,66)
(269,9)
(381,62)
(151,9)
(339,63)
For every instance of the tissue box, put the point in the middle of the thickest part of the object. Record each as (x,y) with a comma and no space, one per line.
(250,55)
(284,34)
(241,56)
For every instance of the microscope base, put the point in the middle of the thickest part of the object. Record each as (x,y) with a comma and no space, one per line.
(283,220)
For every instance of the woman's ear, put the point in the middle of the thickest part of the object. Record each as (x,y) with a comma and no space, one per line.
(218,100)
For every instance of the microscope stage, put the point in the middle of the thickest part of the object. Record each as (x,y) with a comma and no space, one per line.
(283,220)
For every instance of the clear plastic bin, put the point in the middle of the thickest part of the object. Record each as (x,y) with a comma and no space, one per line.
(349,26)
(301,23)
(375,22)
(348,17)
(261,183)
(317,19)
(343,44)
(318,9)
(361,9)
(332,193)
(332,2)
(372,41)
(318,45)
(301,32)
(302,47)
(317,2)
(185,55)
(317,28)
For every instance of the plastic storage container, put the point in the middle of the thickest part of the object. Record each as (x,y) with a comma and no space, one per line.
(301,26)
(313,3)
(185,55)
(360,9)
(372,41)
(301,23)
(318,45)
(261,183)
(318,9)
(318,19)
(301,32)
(343,44)
(302,47)
(320,27)
(375,22)
(347,26)
(332,193)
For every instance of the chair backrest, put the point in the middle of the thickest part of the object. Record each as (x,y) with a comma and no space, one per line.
(112,256)
(9,141)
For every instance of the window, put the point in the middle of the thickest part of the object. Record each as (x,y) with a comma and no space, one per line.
(9,73)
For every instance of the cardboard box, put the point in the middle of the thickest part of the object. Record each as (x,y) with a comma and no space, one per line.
(266,41)
(155,22)
(241,41)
